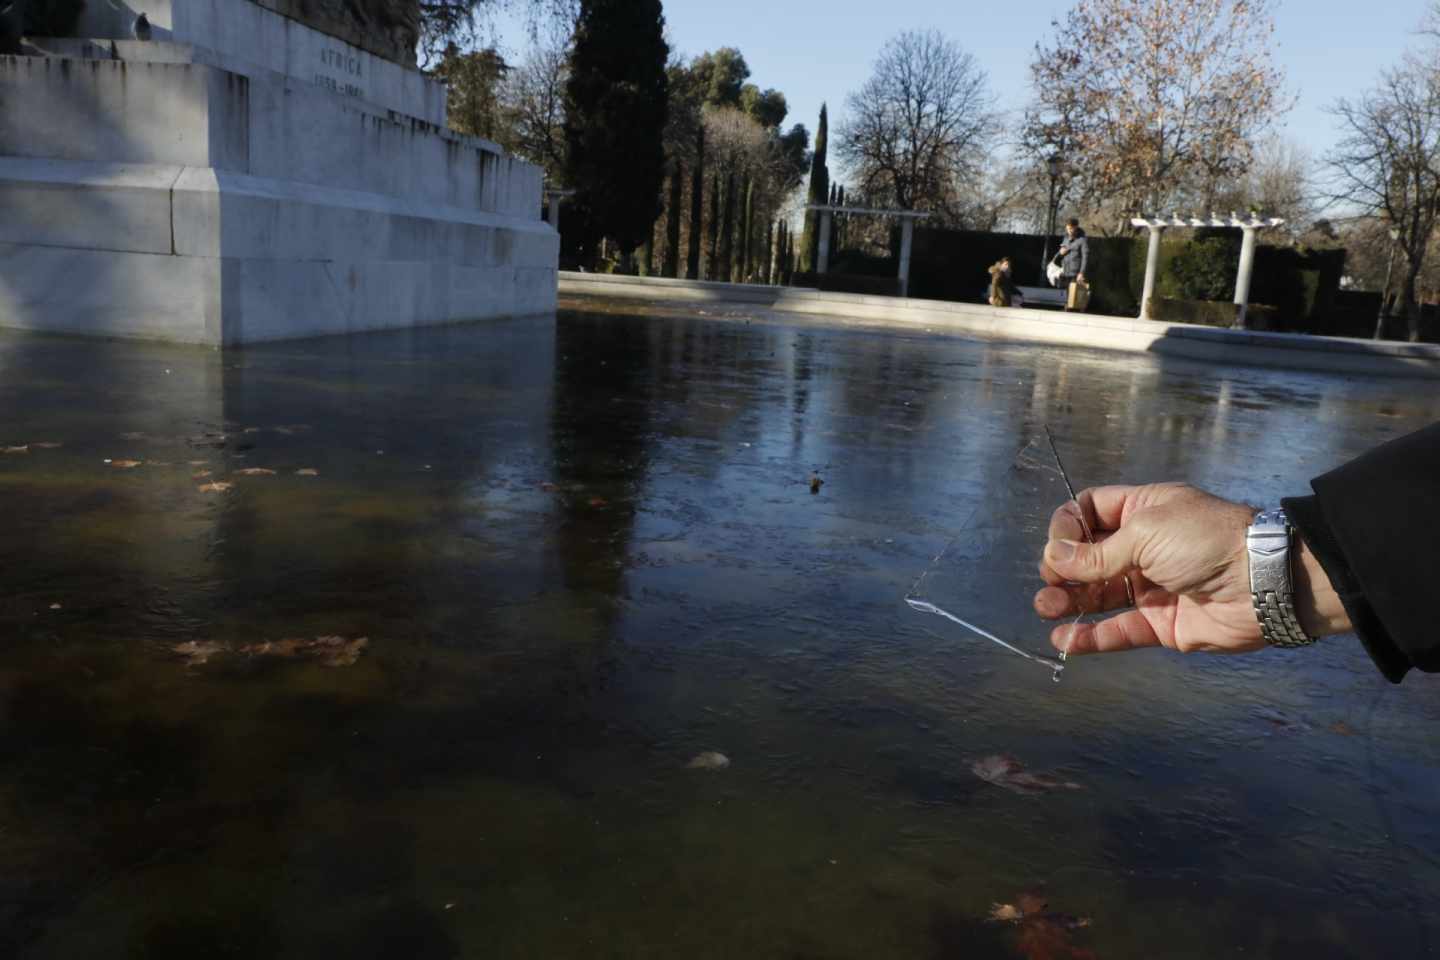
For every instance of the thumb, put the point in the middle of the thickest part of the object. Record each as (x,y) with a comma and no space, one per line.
(1095,562)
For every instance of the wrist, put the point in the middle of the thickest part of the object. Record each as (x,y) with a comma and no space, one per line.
(1317,605)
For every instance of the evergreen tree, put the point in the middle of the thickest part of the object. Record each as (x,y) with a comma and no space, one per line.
(747,229)
(671,264)
(767,266)
(712,267)
(727,232)
(697,205)
(615,117)
(819,189)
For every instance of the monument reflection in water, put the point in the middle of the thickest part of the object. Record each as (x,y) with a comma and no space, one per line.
(584,552)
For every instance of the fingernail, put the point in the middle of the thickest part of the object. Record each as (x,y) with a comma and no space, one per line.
(1063,549)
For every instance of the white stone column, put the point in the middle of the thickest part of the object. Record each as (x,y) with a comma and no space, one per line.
(1152,266)
(822,258)
(907,237)
(1242,279)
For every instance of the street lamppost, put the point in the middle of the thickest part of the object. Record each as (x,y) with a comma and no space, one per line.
(1052,166)
(1385,293)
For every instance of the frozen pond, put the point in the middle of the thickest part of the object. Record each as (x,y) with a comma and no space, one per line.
(582,553)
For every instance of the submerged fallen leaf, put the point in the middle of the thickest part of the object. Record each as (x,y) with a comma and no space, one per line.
(599,502)
(23,448)
(219,486)
(47,445)
(199,474)
(330,651)
(307,472)
(197,652)
(255,472)
(709,760)
(125,464)
(1342,728)
(1043,936)
(1007,772)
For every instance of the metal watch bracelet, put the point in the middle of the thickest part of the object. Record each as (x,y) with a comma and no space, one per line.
(1268,544)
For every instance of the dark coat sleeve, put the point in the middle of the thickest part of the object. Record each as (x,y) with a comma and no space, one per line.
(1374,525)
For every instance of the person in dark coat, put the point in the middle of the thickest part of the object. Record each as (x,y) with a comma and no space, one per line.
(1361,559)
(1074,255)
(1002,284)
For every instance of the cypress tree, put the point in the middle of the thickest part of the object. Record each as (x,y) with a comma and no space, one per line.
(712,271)
(697,205)
(819,188)
(615,117)
(727,230)
(671,265)
(767,266)
(747,230)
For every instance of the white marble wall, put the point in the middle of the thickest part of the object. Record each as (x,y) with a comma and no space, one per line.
(244,34)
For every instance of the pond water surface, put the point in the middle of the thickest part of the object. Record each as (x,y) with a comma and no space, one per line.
(582,551)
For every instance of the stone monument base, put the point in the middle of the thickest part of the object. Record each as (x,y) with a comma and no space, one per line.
(164,190)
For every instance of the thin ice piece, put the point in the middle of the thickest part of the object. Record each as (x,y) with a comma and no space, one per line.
(984,580)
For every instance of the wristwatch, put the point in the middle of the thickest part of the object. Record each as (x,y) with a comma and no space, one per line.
(1271,584)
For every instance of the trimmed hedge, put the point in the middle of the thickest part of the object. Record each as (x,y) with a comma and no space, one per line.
(1212,313)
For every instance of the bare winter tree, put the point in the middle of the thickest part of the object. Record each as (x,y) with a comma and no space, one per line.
(534,103)
(1157,100)
(921,126)
(1387,163)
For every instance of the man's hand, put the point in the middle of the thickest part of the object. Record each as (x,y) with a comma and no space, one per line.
(1184,552)
(1079,278)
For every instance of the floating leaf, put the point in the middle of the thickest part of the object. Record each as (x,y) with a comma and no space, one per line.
(219,486)
(198,463)
(1005,912)
(23,448)
(709,760)
(197,652)
(599,502)
(125,464)
(255,472)
(47,445)
(251,430)
(56,606)
(307,472)
(1007,772)
(331,651)
(199,474)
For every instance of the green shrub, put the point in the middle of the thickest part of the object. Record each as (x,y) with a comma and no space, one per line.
(1205,267)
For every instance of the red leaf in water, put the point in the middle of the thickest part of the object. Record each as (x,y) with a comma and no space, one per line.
(1007,772)
(599,502)
(197,652)
(125,464)
(1342,728)
(1044,939)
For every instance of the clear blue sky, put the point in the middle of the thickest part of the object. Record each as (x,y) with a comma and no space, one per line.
(814,51)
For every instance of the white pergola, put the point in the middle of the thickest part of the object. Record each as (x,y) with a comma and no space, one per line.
(1250,226)
(907,235)
(553,196)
